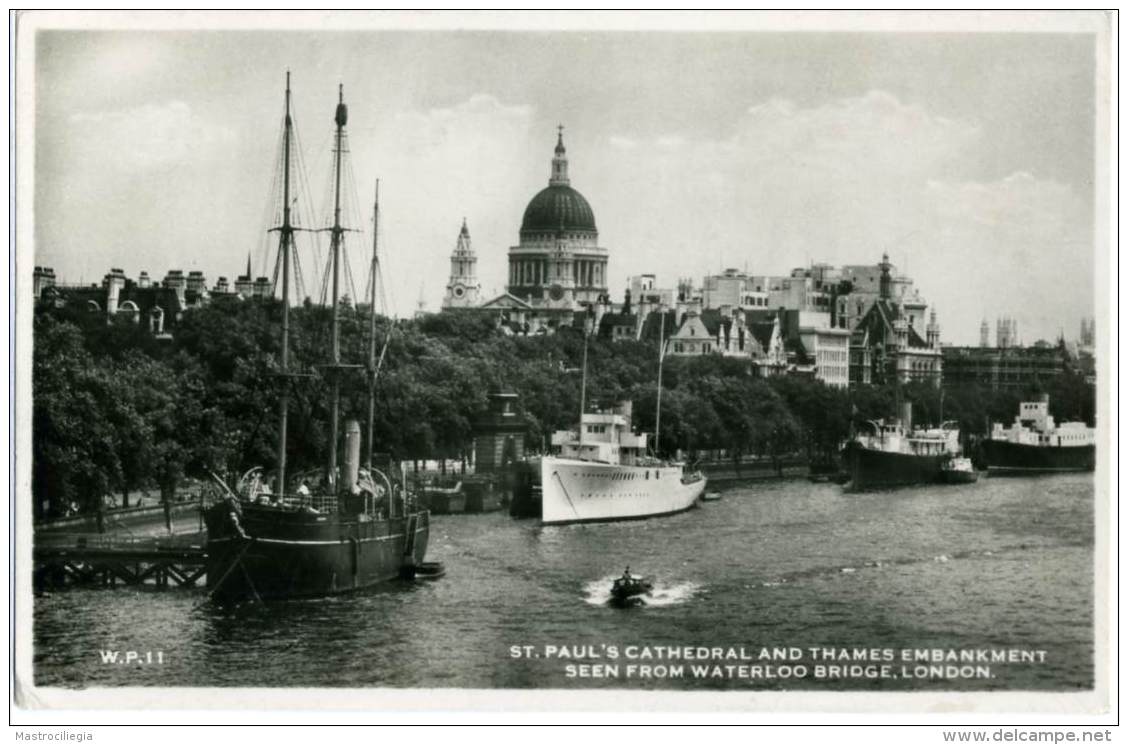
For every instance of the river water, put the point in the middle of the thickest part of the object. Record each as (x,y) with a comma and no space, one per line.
(785,568)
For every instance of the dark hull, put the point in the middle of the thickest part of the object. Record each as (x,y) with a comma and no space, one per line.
(525,500)
(874,469)
(960,477)
(1010,457)
(293,555)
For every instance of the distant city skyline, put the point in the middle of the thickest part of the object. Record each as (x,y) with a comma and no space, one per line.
(967,157)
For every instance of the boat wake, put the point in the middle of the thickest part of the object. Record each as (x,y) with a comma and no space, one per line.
(598,592)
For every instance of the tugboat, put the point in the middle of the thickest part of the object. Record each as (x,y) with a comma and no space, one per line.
(898,455)
(959,471)
(1035,443)
(359,527)
(628,589)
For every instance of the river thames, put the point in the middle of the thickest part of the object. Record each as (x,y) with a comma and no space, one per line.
(773,584)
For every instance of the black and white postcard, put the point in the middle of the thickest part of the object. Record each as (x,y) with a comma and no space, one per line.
(731,362)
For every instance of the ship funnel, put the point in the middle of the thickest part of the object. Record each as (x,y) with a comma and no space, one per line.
(907,415)
(352,455)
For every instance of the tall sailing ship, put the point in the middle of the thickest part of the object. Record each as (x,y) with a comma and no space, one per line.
(602,472)
(361,526)
(1035,443)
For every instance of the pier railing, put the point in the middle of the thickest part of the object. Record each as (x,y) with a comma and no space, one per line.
(116,542)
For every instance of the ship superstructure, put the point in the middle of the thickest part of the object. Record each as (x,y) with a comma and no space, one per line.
(896,454)
(1035,442)
(604,436)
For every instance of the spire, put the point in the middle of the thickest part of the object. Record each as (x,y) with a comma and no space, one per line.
(559,161)
(462,248)
(932,332)
(248,275)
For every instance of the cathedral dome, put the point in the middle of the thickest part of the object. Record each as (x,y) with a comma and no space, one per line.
(558,207)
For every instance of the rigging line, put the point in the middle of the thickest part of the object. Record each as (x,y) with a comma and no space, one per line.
(305,212)
(354,199)
(273,216)
(298,277)
(277,268)
(311,211)
(387,292)
(325,280)
(272,197)
(349,274)
(368,287)
(383,351)
(371,269)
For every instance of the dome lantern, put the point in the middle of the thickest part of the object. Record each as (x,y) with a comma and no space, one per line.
(559,161)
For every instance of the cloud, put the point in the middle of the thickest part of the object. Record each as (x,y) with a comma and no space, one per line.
(477,159)
(148,187)
(842,182)
(872,132)
(1018,246)
(148,136)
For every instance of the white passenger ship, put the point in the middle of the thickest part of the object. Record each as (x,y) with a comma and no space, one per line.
(601,473)
(1036,443)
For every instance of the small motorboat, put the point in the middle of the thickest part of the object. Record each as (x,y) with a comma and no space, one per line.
(959,471)
(710,496)
(629,589)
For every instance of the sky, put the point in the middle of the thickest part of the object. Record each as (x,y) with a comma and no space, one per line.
(968,157)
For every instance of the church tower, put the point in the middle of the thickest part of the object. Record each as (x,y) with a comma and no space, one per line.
(463,289)
(933,331)
(885,286)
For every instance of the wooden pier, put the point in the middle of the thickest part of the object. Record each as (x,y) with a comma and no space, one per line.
(107,560)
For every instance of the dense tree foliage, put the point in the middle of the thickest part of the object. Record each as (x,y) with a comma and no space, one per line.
(116,410)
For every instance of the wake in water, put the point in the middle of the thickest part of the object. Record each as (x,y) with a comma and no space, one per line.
(598,592)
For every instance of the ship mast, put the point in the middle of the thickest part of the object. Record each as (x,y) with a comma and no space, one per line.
(583,390)
(341,118)
(373,275)
(285,243)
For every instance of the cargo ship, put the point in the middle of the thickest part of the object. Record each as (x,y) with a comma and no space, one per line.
(602,473)
(1035,443)
(358,526)
(896,454)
